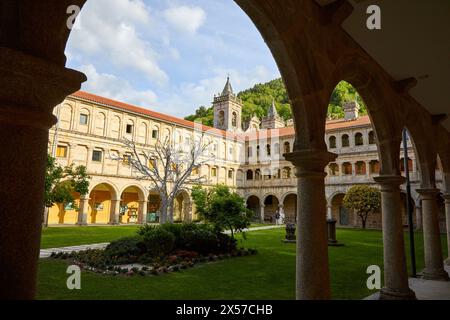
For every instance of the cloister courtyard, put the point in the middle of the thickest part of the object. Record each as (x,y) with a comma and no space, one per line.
(267,275)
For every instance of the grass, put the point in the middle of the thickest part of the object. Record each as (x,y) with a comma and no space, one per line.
(268,275)
(55,237)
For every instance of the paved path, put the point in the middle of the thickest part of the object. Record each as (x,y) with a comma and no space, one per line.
(426,289)
(45,253)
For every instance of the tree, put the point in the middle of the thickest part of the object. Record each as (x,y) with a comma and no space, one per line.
(170,167)
(226,210)
(364,200)
(61,183)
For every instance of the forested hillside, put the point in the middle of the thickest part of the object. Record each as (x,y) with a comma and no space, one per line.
(258,99)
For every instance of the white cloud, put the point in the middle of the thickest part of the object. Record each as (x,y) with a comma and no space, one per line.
(108,31)
(112,87)
(185,18)
(184,99)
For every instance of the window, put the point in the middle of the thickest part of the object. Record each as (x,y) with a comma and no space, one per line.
(230,174)
(287,147)
(155,133)
(268,151)
(360,168)
(374,166)
(334,169)
(347,168)
(249,152)
(332,141)
(402,165)
(249,175)
(84,118)
(97,155)
(286,173)
(359,139)
(129,128)
(126,159)
(372,139)
(194,171)
(213,172)
(61,151)
(234,120)
(345,141)
(151,163)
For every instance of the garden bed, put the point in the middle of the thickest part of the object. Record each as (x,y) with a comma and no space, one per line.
(158,249)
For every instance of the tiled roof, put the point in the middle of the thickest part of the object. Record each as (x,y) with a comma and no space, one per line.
(143,111)
(281,132)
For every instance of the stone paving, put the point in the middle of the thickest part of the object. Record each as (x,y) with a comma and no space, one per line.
(45,253)
(426,289)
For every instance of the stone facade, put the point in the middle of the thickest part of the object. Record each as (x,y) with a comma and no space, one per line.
(90,132)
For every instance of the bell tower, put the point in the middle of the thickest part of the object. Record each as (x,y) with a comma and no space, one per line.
(227,110)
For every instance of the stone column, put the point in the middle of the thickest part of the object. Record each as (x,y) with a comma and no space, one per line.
(261,213)
(142,217)
(447,220)
(418,218)
(30,88)
(114,217)
(434,265)
(83,210)
(312,273)
(396,285)
(329,212)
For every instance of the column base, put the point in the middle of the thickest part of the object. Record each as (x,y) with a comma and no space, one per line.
(81,224)
(388,294)
(438,275)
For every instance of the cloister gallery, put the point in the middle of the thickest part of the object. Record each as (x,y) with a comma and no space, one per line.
(316,44)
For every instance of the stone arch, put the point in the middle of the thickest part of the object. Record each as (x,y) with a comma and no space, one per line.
(182,210)
(253,203)
(102,202)
(132,204)
(100,123)
(342,215)
(271,206)
(289,203)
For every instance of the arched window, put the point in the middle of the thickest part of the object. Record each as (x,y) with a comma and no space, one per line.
(360,167)
(221,118)
(372,139)
(249,175)
(347,168)
(345,141)
(286,173)
(334,169)
(359,139)
(268,151)
(287,147)
(257,174)
(332,142)
(234,120)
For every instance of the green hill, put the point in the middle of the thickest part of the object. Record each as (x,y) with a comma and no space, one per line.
(257,100)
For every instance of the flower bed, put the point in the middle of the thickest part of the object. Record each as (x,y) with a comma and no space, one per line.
(158,249)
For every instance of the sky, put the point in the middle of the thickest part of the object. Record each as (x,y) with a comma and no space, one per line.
(170,56)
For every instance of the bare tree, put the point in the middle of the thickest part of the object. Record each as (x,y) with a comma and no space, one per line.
(169,167)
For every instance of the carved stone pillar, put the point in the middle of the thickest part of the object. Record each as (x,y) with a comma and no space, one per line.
(418,218)
(261,212)
(114,217)
(83,210)
(312,273)
(396,285)
(447,220)
(30,88)
(434,265)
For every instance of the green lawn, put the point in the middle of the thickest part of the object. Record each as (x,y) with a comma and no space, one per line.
(268,275)
(54,237)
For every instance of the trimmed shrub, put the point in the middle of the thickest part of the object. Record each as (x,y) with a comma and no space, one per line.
(158,241)
(125,249)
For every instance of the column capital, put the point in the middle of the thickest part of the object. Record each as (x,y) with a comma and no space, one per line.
(42,85)
(389,181)
(310,162)
(428,193)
